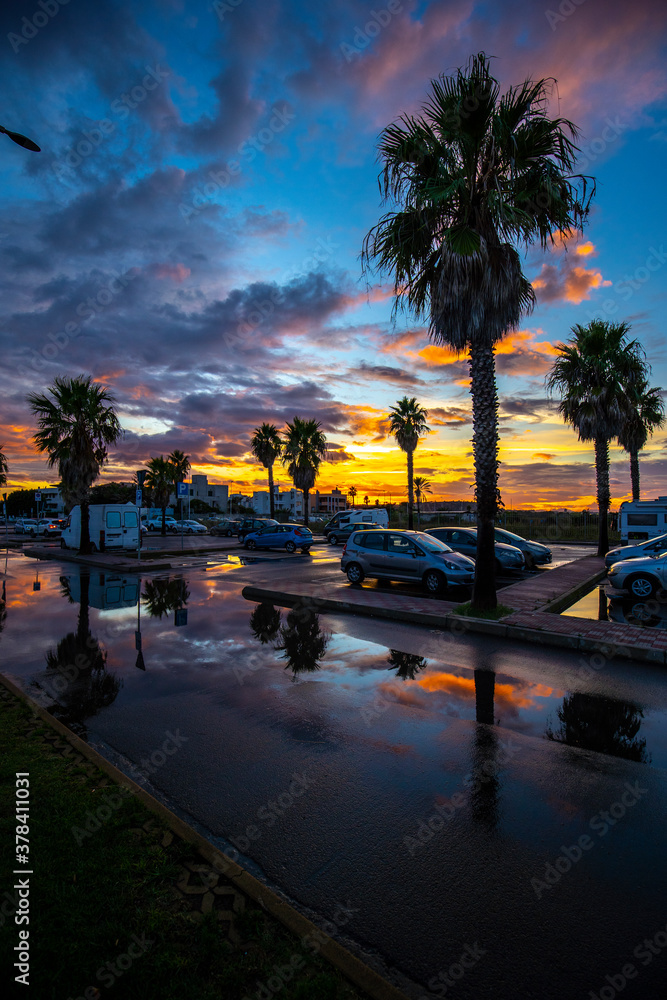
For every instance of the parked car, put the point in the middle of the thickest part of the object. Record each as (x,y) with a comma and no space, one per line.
(226,526)
(653,547)
(464,540)
(641,614)
(249,524)
(365,515)
(24,524)
(342,534)
(410,556)
(155,524)
(534,553)
(280,536)
(46,527)
(191,527)
(640,577)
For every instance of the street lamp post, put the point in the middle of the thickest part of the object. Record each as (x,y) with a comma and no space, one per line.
(20,140)
(141,475)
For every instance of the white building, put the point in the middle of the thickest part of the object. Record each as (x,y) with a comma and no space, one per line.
(287,500)
(201,489)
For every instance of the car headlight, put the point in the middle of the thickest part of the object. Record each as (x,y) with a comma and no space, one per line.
(451,565)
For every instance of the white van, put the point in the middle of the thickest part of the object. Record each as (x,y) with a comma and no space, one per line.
(119,522)
(639,520)
(367,515)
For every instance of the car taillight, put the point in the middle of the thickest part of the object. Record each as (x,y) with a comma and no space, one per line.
(344,550)
(298,531)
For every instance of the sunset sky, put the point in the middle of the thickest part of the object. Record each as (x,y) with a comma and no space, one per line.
(190,232)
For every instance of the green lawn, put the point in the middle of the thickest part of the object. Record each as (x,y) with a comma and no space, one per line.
(109,899)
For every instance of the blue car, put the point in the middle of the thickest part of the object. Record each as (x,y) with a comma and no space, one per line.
(280,536)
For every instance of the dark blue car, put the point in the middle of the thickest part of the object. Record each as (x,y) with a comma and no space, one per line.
(280,536)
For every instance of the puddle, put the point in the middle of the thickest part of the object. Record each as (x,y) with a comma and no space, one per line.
(597,605)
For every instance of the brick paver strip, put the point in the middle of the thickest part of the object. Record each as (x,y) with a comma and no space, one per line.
(233,879)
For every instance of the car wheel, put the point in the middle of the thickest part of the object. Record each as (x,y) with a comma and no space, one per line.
(290,546)
(306,548)
(355,573)
(333,540)
(642,585)
(434,581)
(499,568)
(63,543)
(228,533)
(250,544)
(529,559)
(93,547)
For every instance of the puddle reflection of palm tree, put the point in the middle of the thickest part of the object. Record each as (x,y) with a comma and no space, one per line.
(3,605)
(77,670)
(265,622)
(163,596)
(406,665)
(302,641)
(605,725)
(485,787)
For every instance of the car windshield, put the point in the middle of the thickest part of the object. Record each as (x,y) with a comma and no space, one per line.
(509,535)
(432,544)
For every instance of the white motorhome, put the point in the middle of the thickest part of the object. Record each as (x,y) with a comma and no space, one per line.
(366,515)
(117,525)
(639,520)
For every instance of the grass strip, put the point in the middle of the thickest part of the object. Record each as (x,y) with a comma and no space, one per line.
(465,610)
(104,908)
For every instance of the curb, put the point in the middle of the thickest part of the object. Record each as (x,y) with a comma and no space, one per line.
(453,623)
(356,971)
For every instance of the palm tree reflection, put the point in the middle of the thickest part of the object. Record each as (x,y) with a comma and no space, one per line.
(76,676)
(605,725)
(265,622)
(302,641)
(163,596)
(406,665)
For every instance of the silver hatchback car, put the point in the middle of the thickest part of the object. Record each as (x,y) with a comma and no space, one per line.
(410,556)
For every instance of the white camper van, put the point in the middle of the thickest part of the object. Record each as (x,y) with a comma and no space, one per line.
(116,524)
(639,520)
(367,515)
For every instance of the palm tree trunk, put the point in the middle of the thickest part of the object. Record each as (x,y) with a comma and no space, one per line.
(83,624)
(602,479)
(634,473)
(271,503)
(485,449)
(84,536)
(410,491)
(306,497)
(164,522)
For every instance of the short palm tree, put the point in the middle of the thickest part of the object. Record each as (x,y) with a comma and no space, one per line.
(266,445)
(304,450)
(4,468)
(180,463)
(352,492)
(77,423)
(472,175)
(160,480)
(646,412)
(408,423)
(422,487)
(590,374)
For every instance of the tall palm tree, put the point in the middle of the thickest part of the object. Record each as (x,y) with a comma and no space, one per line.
(352,492)
(422,487)
(77,423)
(474,174)
(591,373)
(180,463)
(160,480)
(408,424)
(646,413)
(266,445)
(4,468)
(304,450)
